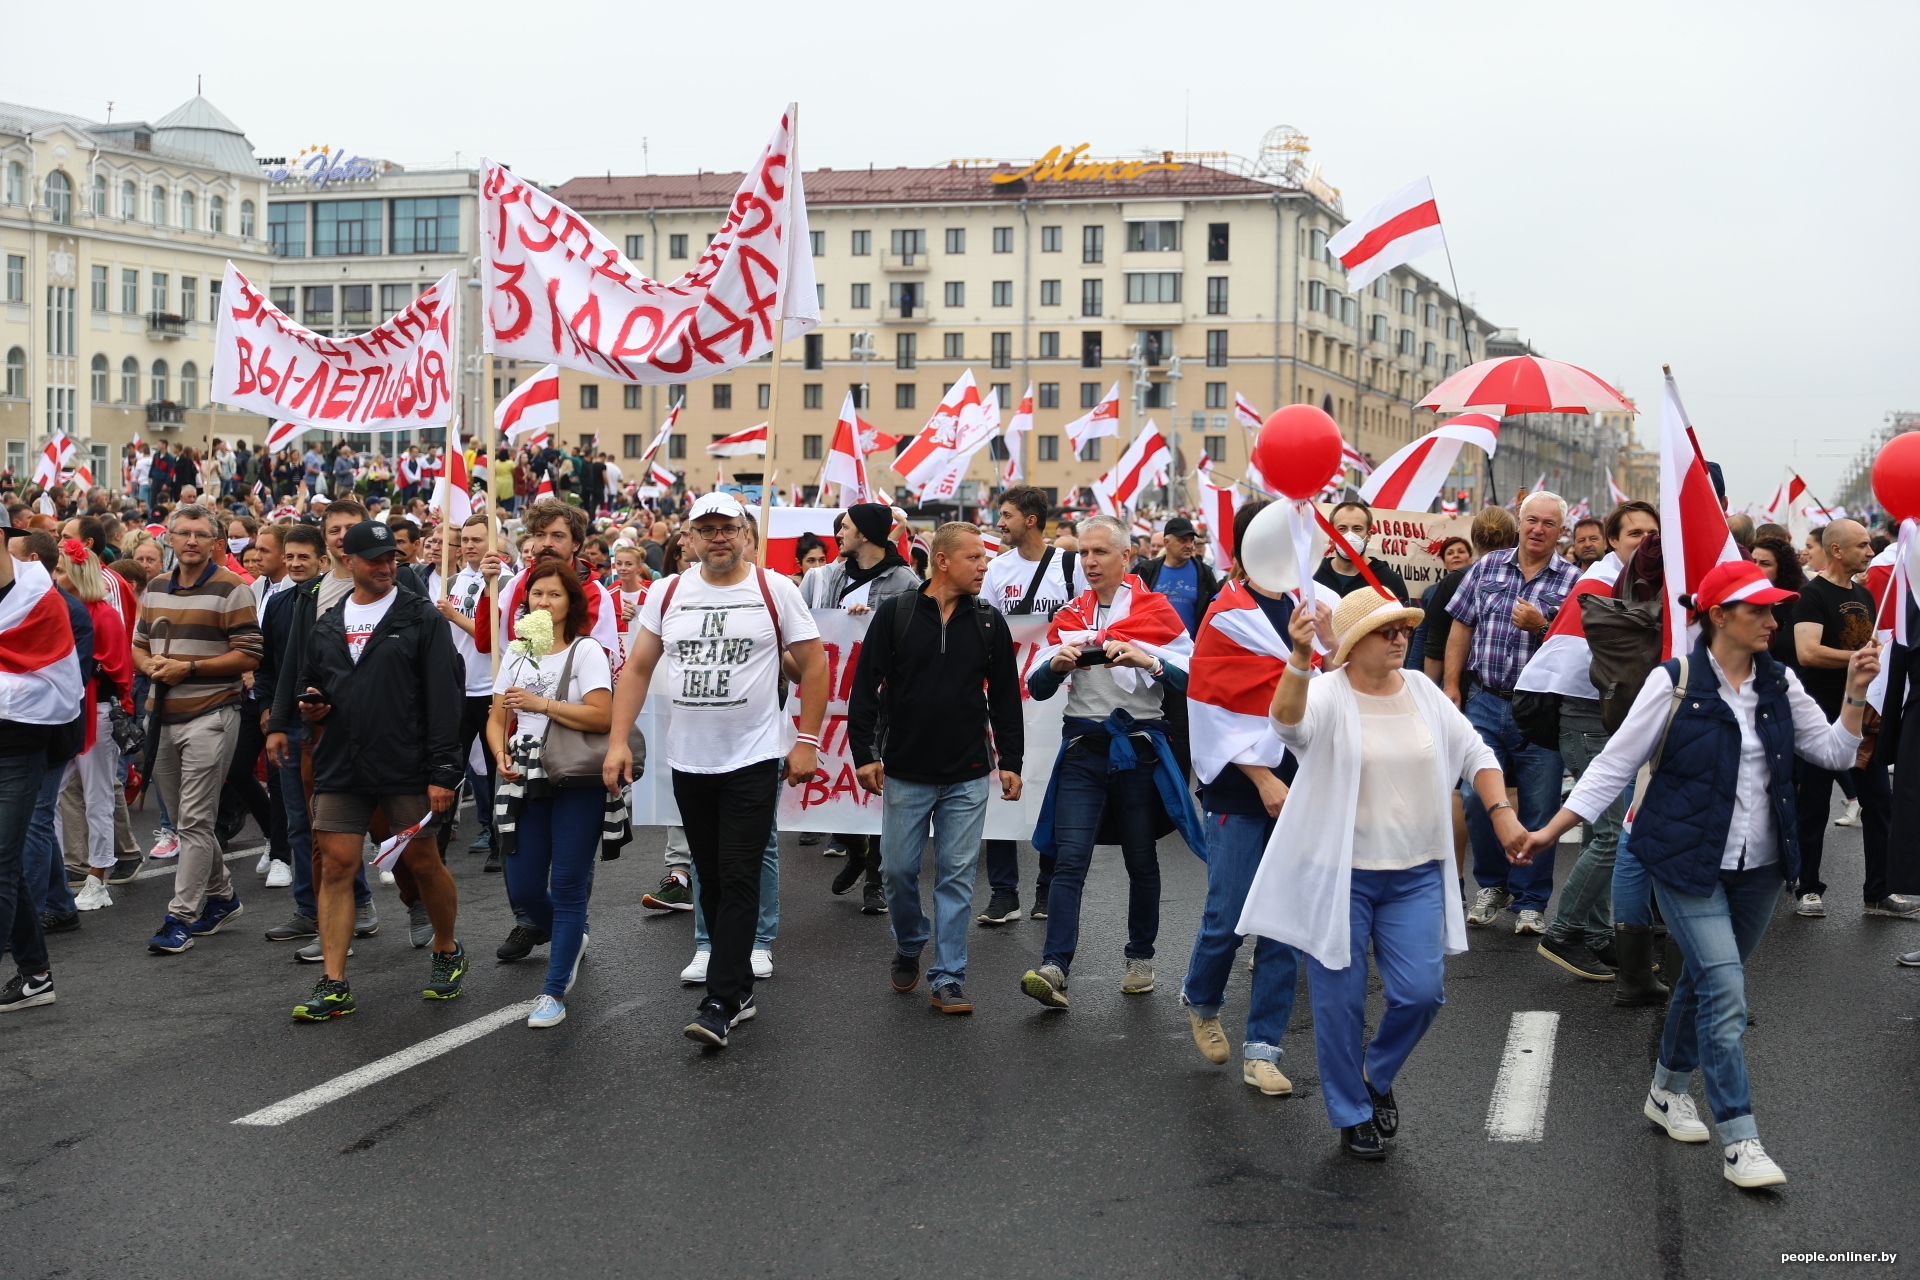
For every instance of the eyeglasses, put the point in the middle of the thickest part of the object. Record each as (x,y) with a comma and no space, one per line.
(190,535)
(1390,634)
(711,532)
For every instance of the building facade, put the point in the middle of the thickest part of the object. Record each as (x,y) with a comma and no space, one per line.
(1187,279)
(115,239)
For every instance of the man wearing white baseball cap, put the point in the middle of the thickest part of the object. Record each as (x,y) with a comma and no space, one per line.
(722,628)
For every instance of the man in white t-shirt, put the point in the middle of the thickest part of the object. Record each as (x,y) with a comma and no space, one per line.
(460,601)
(722,628)
(1027,578)
(560,531)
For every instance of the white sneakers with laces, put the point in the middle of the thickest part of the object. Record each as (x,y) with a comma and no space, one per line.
(1810,905)
(1849,816)
(696,972)
(279,875)
(763,962)
(1747,1164)
(1532,922)
(1675,1113)
(93,895)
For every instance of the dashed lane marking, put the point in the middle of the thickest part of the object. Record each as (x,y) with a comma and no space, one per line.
(1518,1112)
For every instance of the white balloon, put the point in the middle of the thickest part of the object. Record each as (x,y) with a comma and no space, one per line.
(1267,552)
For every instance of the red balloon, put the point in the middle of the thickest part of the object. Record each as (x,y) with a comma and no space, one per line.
(1896,476)
(1298,450)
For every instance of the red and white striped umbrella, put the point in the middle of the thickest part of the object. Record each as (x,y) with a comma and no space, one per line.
(1525,384)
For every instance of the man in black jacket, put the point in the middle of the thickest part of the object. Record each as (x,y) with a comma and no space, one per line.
(380,675)
(949,675)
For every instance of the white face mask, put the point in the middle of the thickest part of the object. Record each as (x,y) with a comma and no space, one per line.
(237,545)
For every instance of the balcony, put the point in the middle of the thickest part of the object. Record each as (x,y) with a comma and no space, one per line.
(912,314)
(912,264)
(161,324)
(165,415)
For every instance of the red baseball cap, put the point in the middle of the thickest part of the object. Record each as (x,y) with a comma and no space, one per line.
(1738,582)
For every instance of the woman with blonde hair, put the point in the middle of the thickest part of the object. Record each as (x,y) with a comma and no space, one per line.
(79,573)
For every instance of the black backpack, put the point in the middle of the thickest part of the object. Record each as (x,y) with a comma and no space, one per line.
(904,607)
(1624,633)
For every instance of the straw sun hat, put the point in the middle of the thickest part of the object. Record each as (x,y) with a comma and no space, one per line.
(1367,610)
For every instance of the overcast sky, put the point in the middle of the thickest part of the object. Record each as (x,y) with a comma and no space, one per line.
(1729,188)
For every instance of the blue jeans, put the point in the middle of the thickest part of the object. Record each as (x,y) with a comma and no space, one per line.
(1400,911)
(20,785)
(1235,843)
(551,872)
(1538,771)
(46,869)
(293,796)
(766,927)
(1707,1016)
(958,812)
(1084,793)
(1632,887)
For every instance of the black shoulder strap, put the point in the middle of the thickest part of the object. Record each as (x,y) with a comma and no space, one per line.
(904,605)
(984,616)
(1033,584)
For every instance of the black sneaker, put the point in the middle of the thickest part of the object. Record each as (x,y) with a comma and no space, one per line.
(125,869)
(448,968)
(297,926)
(24,992)
(419,927)
(1574,958)
(492,864)
(906,972)
(873,902)
(520,943)
(849,876)
(330,1000)
(1386,1112)
(949,998)
(1002,908)
(1039,911)
(54,922)
(1362,1141)
(809,839)
(710,1024)
(1606,955)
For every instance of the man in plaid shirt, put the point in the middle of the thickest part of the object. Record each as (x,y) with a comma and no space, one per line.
(1501,612)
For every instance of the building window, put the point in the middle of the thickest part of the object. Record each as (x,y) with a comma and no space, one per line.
(1049,344)
(1406,302)
(1093,244)
(1092,297)
(811,394)
(1090,350)
(907,244)
(862,244)
(158,388)
(1089,394)
(810,448)
(632,446)
(16,372)
(189,385)
(217,215)
(1049,293)
(903,353)
(904,297)
(1216,295)
(1153,237)
(1216,448)
(1047,448)
(190,297)
(1316,296)
(956,293)
(862,297)
(427,225)
(1452,363)
(1003,351)
(956,239)
(903,395)
(1430,315)
(1406,342)
(129,201)
(676,447)
(1003,396)
(99,379)
(1216,242)
(1153,286)
(99,289)
(17,277)
(1049,395)
(189,211)
(1051,239)
(60,326)
(1379,333)
(1316,243)
(763,395)
(99,195)
(287,229)
(1216,395)
(953,346)
(60,197)
(129,381)
(1428,353)
(1003,293)
(1453,326)
(316,306)
(723,395)
(636,250)
(346,228)
(157,206)
(632,397)
(589,395)
(1090,450)
(813,351)
(817,243)
(16,182)
(246,218)
(1003,239)
(394,298)
(676,246)
(996,447)
(1349,312)
(161,291)
(1216,348)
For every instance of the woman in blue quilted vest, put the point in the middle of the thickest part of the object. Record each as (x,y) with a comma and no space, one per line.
(1716,829)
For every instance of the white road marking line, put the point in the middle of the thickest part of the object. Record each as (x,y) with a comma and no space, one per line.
(1518,1112)
(393,1064)
(173,863)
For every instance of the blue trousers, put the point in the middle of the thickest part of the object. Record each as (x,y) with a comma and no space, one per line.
(1003,869)
(293,798)
(1235,843)
(46,869)
(958,813)
(20,783)
(1400,913)
(551,872)
(1632,888)
(1538,771)
(1085,791)
(1707,1015)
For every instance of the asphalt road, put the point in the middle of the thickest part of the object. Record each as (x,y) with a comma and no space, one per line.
(850,1131)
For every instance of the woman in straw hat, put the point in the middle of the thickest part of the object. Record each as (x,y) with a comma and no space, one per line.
(1363,850)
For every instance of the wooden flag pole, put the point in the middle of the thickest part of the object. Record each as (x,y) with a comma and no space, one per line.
(780,316)
(447,532)
(496,630)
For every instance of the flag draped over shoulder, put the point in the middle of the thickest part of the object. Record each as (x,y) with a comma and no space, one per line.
(1141,617)
(1237,663)
(39,667)
(1562,663)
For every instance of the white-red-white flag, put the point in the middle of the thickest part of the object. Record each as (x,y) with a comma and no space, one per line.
(979,424)
(533,406)
(1693,528)
(545,489)
(1614,491)
(1353,458)
(39,666)
(1143,466)
(873,440)
(559,290)
(660,475)
(53,460)
(1248,415)
(752,440)
(1411,478)
(81,475)
(1017,427)
(661,436)
(281,434)
(453,491)
(957,415)
(1101,420)
(845,465)
(1218,502)
(1397,230)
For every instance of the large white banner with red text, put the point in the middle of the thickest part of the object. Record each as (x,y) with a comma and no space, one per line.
(834,801)
(557,291)
(396,377)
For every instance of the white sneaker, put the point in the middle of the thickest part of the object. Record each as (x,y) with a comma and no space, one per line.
(1749,1165)
(763,962)
(93,895)
(697,971)
(1849,815)
(167,846)
(386,877)
(1531,922)
(1810,905)
(261,867)
(1675,1113)
(1489,903)
(279,876)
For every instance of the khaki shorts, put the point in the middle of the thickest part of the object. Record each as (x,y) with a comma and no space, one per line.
(352,811)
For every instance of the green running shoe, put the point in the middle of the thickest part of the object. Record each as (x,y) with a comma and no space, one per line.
(329,1000)
(448,968)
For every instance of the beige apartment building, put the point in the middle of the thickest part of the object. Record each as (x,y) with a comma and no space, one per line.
(115,238)
(1186,279)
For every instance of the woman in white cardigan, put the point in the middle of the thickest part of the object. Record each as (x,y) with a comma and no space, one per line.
(1363,849)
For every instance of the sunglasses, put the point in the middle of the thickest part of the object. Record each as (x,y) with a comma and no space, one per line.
(1390,634)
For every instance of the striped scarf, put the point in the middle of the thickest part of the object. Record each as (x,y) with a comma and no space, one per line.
(510,796)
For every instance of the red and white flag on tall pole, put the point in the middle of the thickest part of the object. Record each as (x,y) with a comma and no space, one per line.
(661,436)
(1248,415)
(1101,420)
(660,475)
(81,475)
(1017,427)
(533,406)
(976,430)
(1143,466)
(1693,528)
(283,433)
(1411,478)
(1397,230)
(1218,502)
(453,491)
(53,460)
(1614,491)
(752,440)
(845,466)
(1353,458)
(955,419)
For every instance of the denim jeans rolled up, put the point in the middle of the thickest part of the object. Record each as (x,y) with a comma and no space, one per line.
(20,785)
(958,813)
(1538,772)
(1085,793)
(1235,844)
(1707,1015)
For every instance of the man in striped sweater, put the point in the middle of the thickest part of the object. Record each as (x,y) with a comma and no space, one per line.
(210,638)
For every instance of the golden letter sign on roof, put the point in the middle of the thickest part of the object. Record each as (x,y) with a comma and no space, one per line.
(1057,167)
